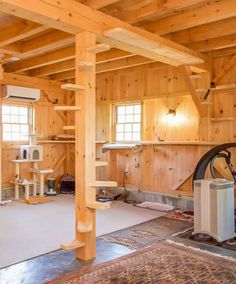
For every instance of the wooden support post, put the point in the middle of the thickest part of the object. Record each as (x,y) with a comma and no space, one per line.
(17,193)
(41,184)
(27,188)
(85,146)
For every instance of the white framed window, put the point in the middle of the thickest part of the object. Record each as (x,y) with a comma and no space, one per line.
(16,123)
(128,122)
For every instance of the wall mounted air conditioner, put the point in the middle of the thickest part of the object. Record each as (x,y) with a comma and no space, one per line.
(21,93)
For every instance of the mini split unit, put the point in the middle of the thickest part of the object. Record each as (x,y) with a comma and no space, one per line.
(21,93)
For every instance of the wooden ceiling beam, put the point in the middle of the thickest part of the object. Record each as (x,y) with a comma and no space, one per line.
(207,31)
(157,9)
(98,4)
(215,43)
(30,82)
(19,29)
(211,12)
(72,17)
(46,43)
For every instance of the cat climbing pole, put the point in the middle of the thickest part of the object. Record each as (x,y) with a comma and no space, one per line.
(85,150)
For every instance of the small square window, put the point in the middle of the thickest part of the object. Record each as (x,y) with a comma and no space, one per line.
(16,121)
(128,123)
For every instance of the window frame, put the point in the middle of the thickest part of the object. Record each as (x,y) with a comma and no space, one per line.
(30,118)
(114,121)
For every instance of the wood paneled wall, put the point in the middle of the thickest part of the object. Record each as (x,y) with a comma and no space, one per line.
(166,168)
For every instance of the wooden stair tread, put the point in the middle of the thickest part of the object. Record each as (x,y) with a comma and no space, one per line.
(99,48)
(195,76)
(69,127)
(100,183)
(75,244)
(201,90)
(98,205)
(72,87)
(101,163)
(67,108)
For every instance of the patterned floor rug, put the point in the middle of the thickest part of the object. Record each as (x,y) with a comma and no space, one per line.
(161,263)
(147,233)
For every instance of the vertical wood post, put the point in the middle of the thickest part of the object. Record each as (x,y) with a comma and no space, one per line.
(85,145)
(1,138)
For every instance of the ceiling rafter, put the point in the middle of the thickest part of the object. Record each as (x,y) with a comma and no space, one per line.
(80,17)
(213,11)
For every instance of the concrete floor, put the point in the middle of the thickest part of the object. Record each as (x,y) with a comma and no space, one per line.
(47,267)
(31,230)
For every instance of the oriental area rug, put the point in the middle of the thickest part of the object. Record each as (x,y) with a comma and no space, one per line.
(147,233)
(165,262)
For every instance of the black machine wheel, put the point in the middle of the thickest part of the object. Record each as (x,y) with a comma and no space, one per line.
(208,159)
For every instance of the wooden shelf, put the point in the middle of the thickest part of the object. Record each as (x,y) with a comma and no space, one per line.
(67,108)
(25,161)
(105,183)
(72,87)
(56,141)
(216,119)
(73,245)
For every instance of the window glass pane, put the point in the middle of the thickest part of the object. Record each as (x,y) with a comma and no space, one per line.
(14,118)
(129,118)
(24,128)
(23,119)
(136,127)
(23,111)
(128,136)
(137,108)
(128,127)
(6,118)
(137,118)
(16,128)
(6,136)
(6,127)
(120,110)
(129,109)
(6,109)
(136,136)
(119,136)
(121,118)
(119,128)
(15,136)
(14,110)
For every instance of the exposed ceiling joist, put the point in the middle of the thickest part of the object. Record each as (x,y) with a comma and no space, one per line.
(59,56)
(100,68)
(73,17)
(19,29)
(213,11)
(157,9)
